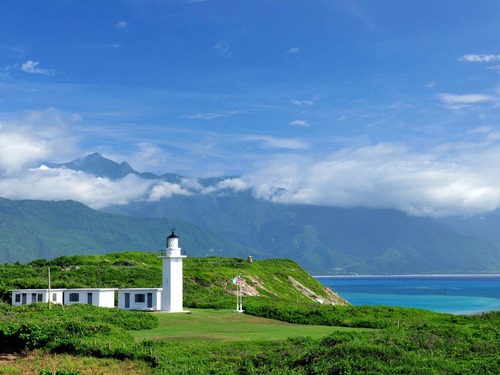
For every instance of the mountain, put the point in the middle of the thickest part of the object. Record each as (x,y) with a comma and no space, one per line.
(38,229)
(99,166)
(323,240)
(485,225)
(328,240)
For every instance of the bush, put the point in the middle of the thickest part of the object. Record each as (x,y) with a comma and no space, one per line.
(67,329)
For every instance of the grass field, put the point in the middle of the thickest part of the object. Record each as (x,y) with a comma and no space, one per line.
(194,329)
(37,361)
(226,325)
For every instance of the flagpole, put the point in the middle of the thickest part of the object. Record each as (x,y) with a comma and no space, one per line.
(49,300)
(240,307)
(241,300)
(237,294)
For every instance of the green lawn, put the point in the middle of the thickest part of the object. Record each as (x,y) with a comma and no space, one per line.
(221,325)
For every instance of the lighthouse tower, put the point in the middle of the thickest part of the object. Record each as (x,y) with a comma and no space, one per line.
(171,295)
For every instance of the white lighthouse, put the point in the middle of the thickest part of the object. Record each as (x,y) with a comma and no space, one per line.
(171,295)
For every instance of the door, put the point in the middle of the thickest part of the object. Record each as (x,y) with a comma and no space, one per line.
(23,299)
(127,300)
(89,298)
(150,300)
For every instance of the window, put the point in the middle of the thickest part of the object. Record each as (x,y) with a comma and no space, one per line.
(18,298)
(54,297)
(39,297)
(140,298)
(74,297)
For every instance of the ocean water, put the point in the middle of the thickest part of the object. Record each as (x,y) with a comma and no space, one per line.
(455,294)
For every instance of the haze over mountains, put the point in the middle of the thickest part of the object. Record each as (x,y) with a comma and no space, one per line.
(218,216)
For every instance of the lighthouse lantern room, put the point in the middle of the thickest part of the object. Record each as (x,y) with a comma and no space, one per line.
(172,293)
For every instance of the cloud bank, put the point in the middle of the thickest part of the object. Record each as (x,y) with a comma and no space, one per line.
(451,179)
(459,177)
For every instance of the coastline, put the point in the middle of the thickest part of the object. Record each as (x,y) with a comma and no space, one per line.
(412,275)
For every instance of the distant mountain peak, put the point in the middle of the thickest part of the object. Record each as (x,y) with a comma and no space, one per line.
(100,166)
(97,165)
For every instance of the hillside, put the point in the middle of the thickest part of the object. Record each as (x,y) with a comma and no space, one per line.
(39,229)
(484,225)
(207,281)
(329,240)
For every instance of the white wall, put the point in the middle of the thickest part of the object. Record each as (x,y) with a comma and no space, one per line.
(172,294)
(28,296)
(94,296)
(138,299)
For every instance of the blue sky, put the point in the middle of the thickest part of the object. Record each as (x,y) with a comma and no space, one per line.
(384,104)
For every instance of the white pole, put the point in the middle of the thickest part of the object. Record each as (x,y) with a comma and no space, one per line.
(48,274)
(241,300)
(237,294)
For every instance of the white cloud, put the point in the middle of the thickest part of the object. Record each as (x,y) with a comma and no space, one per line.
(121,25)
(479,58)
(166,190)
(430,85)
(299,123)
(207,116)
(495,68)
(294,50)
(273,142)
(145,157)
(453,101)
(302,103)
(222,48)
(34,136)
(61,184)
(32,67)
(99,46)
(459,178)
(234,184)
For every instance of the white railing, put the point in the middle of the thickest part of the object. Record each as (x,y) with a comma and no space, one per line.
(170,253)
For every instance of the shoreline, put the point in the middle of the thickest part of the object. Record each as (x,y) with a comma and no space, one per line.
(413,275)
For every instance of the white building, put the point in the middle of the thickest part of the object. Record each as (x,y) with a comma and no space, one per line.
(102,297)
(28,296)
(172,293)
(148,299)
(166,299)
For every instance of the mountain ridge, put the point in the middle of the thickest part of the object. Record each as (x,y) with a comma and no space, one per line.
(324,240)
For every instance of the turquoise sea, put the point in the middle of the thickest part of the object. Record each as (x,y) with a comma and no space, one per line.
(456,294)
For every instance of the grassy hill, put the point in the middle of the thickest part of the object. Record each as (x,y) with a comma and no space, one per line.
(207,281)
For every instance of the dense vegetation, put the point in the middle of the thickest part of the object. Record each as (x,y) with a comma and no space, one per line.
(411,342)
(387,340)
(78,329)
(427,344)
